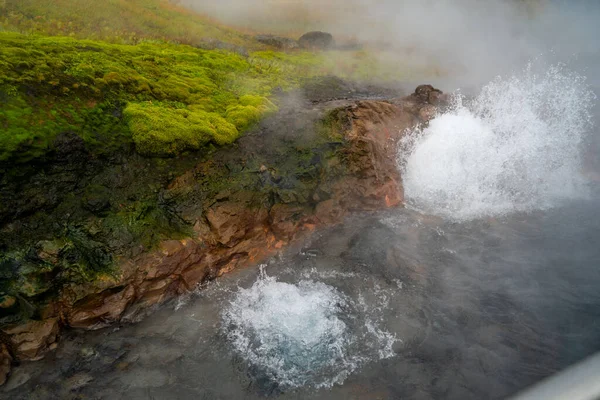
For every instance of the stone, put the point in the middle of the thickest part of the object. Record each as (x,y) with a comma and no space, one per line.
(278,42)
(97,205)
(32,339)
(317,41)
(7,301)
(238,225)
(49,250)
(422,92)
(99,310)
(329,211)
(172,257)
(18,378)
(232,219)
(6,361)
(285,219)
(427,113)
(78,381)
(437,98)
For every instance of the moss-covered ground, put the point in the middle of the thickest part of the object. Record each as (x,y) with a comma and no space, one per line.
(173,98)
(103,104)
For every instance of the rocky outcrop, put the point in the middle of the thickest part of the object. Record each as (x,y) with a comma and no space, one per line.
(31,340)
(317,41)
(7,356)
(244,224)
(278,42)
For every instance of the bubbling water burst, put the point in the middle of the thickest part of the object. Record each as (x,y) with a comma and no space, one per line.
(304,334)
(516,147)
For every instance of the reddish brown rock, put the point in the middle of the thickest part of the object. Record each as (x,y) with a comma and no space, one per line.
(329,211)
(99,310)
(285,219)
(427,113)
(374,181)
(237,230)
(6,362)
(7,356)
(231,220)
(33,339)
(172,257)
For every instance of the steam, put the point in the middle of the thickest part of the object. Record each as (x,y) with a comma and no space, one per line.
(468,41)
(516,147)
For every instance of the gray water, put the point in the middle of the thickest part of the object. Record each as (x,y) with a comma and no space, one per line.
(480,310)
(486,284)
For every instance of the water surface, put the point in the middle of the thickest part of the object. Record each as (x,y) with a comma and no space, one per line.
(485,285)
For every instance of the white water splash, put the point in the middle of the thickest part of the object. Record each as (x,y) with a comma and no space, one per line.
(515,147)
(304,334)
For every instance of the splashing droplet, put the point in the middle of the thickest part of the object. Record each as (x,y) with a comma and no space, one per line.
(304,334)
(516,147)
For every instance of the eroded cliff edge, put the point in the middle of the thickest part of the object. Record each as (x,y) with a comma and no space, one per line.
(142,231)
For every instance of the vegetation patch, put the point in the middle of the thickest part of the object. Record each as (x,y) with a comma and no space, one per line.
(83,82)
(117,21)
(174,97)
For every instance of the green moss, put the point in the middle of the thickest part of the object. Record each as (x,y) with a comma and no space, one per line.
(146,222)
(50,85)
(119,21)
(333,124)
(162,131)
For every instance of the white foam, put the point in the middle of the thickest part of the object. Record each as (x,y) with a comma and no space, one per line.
(303,334)
(515,147)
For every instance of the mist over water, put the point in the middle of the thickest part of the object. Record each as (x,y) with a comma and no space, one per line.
(398,304)
(516,147)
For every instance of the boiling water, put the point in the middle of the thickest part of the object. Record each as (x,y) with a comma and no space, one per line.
(307,333)
(397,304)
(517,146)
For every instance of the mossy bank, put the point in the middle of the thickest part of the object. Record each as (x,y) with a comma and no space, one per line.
(121,152)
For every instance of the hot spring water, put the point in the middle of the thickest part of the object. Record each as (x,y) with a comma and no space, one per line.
(516,147)
(307,333)
(433,301)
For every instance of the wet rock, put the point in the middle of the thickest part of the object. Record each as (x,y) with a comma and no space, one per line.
(277,42)
(7,301)
(18,378)
(49,250)
(243,224)
(329,211)
(6,361)
(285,219)
(78,381)
(99,310)
(438,98)
(431,95)
(427,113)
(68,146)
(231,220)
(317,41)
(172,257)
(97,205)
(32,339)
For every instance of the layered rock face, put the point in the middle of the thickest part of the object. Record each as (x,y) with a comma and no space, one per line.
(243,224)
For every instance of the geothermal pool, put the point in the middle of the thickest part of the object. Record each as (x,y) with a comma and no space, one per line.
(485,284)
